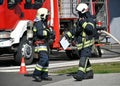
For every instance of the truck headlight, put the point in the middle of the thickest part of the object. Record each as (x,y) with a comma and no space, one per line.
(4,35)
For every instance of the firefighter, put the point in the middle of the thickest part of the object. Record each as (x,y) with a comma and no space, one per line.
(84,36)
(41,36)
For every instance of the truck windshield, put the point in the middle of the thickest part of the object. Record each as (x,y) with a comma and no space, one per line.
(1,2)
(37,4)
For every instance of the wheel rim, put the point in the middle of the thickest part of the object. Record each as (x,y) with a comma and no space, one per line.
(27,51)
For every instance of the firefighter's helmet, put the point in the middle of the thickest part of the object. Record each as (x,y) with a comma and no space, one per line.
(82,7)
(42,13)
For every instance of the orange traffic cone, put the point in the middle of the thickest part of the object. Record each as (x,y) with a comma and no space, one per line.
(23,67)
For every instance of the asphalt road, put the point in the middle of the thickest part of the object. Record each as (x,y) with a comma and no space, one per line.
(15,79)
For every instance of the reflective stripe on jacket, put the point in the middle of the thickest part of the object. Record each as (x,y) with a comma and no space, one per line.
(85,44)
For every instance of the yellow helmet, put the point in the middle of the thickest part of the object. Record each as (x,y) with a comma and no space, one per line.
(42,13)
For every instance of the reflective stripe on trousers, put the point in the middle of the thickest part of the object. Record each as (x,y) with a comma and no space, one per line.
(40,48)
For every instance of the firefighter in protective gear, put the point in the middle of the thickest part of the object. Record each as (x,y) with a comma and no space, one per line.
(84,36)
(41,36)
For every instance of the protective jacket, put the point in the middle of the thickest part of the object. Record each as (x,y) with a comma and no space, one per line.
(41,35)
(83,33)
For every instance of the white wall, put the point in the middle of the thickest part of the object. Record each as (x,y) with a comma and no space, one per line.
(114,19)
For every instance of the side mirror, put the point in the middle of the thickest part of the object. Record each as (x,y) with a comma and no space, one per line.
(11,4)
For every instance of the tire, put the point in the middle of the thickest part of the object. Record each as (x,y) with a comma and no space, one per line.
(26,48)
(72,54)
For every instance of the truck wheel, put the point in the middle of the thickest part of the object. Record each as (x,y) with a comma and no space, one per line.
(72,54)
(25,48)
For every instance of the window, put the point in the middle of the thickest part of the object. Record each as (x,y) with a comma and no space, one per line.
(39,1)
(37,4)
(85,1)
(28,4)
(1,2)
(28,1)
(11,4)
(11,1)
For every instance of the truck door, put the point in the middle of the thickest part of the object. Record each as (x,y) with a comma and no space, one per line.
(14,12)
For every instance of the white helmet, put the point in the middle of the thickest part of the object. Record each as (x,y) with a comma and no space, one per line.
(42,13)
(82,7)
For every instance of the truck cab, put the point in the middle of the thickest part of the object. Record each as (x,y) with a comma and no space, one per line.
(17,18)
(16,23)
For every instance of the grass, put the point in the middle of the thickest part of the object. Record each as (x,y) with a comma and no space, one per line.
(113,67)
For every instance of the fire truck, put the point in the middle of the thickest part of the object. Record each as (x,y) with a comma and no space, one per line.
(17,17)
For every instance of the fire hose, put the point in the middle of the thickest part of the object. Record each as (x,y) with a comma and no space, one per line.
(114,38)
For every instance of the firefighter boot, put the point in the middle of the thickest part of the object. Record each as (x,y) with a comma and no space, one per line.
(37,78)
(79,76)
(37,75)
(89,75)
(45,76)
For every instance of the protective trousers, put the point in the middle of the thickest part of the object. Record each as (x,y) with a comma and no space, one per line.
(41,68)
(84,63)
